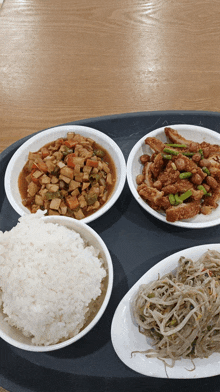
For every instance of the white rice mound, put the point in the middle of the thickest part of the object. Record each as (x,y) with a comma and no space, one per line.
(48,277)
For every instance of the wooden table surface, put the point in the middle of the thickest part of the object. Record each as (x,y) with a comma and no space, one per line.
(66,60)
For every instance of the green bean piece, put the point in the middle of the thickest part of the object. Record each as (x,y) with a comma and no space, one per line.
(184,175)
(166,156)
(172,199)
(176,145)
(201,153)
(206,170)
(188,154)
(185,195)
(169,151)
(177,199)
(202,188)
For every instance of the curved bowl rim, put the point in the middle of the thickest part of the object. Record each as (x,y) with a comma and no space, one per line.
(56,130)
(103,247)
(187,224)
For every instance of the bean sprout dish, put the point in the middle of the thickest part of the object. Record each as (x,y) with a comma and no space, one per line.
(180,311)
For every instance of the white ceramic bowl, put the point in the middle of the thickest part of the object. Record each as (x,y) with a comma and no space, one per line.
(20,157)
(134,167)
(16,338)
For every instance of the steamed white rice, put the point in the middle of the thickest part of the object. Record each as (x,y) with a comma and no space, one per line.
(48,277)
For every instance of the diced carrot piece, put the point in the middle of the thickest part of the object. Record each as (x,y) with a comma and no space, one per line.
(91,163)
(34,179)
(70,143)
(70,160)
(72,202)
(45,152)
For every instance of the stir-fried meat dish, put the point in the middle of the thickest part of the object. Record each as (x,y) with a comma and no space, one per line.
(73,176)
(181,177)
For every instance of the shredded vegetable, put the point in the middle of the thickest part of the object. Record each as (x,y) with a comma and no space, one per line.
(180,312)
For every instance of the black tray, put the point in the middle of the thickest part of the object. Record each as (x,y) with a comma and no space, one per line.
(136,241)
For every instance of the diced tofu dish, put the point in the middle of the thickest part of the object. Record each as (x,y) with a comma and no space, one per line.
(73,176)
(181,177)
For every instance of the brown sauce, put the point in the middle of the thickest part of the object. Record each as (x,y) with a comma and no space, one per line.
(29,202)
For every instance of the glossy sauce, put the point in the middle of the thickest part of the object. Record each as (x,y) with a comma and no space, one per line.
(23,184)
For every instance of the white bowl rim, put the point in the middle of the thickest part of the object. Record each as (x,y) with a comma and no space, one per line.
(53,347)
(145,206)
(68,128)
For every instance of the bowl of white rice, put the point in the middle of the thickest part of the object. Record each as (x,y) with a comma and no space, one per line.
(56,278)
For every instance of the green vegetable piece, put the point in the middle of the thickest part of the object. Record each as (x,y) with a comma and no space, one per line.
(201,153)
(177,199)
(91,199)
(151,295)
(184,175)
(206,170)
(169,151)
(94,178)
(177,145)
(173,322)
(167,156)
(99,153)
(172,199)
(188,154)
(67,151)
(53,195)
(185,195)
(202,188)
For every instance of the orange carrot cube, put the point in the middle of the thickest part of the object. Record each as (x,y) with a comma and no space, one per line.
(69,160)
(70,143)
(91,163)
(72,202)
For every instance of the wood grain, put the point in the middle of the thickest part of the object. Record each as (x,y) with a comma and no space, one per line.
(66,60)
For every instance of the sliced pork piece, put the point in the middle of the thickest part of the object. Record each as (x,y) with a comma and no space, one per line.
(162,204)
(147,174)
(215,172)
(175,137)
(214,160)
(157,165)
(155,144)
(150,194)
(180,186)
(183,211)
(169,176)
(212,200)
(209,149)
(189,165)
